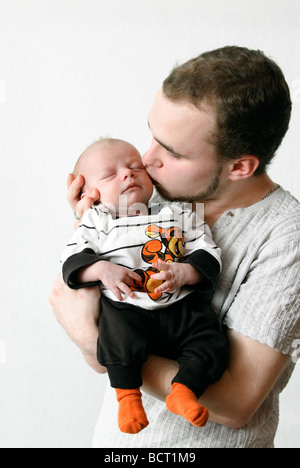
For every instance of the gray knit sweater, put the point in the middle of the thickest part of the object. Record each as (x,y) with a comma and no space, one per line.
(258,295)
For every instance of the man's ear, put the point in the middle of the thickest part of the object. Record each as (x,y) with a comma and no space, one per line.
(243,167)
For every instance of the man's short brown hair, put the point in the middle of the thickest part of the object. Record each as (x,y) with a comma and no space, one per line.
(249,95)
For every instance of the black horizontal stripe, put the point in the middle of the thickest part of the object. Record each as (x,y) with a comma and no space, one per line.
(131,225)
(88,227)
(195,239)
(121,248)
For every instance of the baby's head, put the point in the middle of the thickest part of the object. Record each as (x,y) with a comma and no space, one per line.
(115,168)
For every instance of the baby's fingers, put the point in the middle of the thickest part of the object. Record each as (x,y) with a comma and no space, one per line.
(123,288)
(160,265)
(162,275)
(134,276)
(165,287)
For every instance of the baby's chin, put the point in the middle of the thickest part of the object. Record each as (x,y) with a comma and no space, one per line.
(132,204)
(135,204)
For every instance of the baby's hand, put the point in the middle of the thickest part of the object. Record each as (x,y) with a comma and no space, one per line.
(118,279)
(175,275)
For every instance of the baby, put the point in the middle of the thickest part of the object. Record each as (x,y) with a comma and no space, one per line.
(155,266)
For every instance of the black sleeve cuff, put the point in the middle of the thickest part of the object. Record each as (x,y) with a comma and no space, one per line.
(208,266)
(75,263)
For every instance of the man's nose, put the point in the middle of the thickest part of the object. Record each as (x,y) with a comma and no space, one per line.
(152,157)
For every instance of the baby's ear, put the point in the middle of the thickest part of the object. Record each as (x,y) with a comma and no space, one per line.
(95,194)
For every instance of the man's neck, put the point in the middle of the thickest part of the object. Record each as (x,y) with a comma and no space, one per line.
(235,195)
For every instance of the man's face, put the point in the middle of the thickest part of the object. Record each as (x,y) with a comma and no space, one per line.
(181,160)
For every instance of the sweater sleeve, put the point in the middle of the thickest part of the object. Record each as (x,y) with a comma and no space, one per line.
(267,305)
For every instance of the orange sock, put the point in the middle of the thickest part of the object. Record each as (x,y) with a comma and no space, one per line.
(131,417)
(183,402)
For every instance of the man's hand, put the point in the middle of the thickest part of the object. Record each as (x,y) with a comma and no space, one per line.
(175,275)
(78,313)
(79,205)
(116,278)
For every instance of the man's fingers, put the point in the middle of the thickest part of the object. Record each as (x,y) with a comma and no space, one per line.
(55,290)
(70,179)
(83,205)
(96,195)
(74,190)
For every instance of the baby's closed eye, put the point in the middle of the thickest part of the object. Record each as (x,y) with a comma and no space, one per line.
(109,176)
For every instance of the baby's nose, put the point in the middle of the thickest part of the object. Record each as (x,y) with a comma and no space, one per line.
(127,173)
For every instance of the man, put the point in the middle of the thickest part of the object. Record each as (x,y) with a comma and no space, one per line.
(216,124)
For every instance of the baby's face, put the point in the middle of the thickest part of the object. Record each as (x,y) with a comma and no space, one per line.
(117,172)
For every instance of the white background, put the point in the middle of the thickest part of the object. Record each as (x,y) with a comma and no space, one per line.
(70,72)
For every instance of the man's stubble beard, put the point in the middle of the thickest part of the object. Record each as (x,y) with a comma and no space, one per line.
(210,192)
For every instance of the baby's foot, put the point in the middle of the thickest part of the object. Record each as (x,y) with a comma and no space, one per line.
(183,402)
(131,417)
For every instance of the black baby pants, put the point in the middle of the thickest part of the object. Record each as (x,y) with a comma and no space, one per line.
(188,331)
